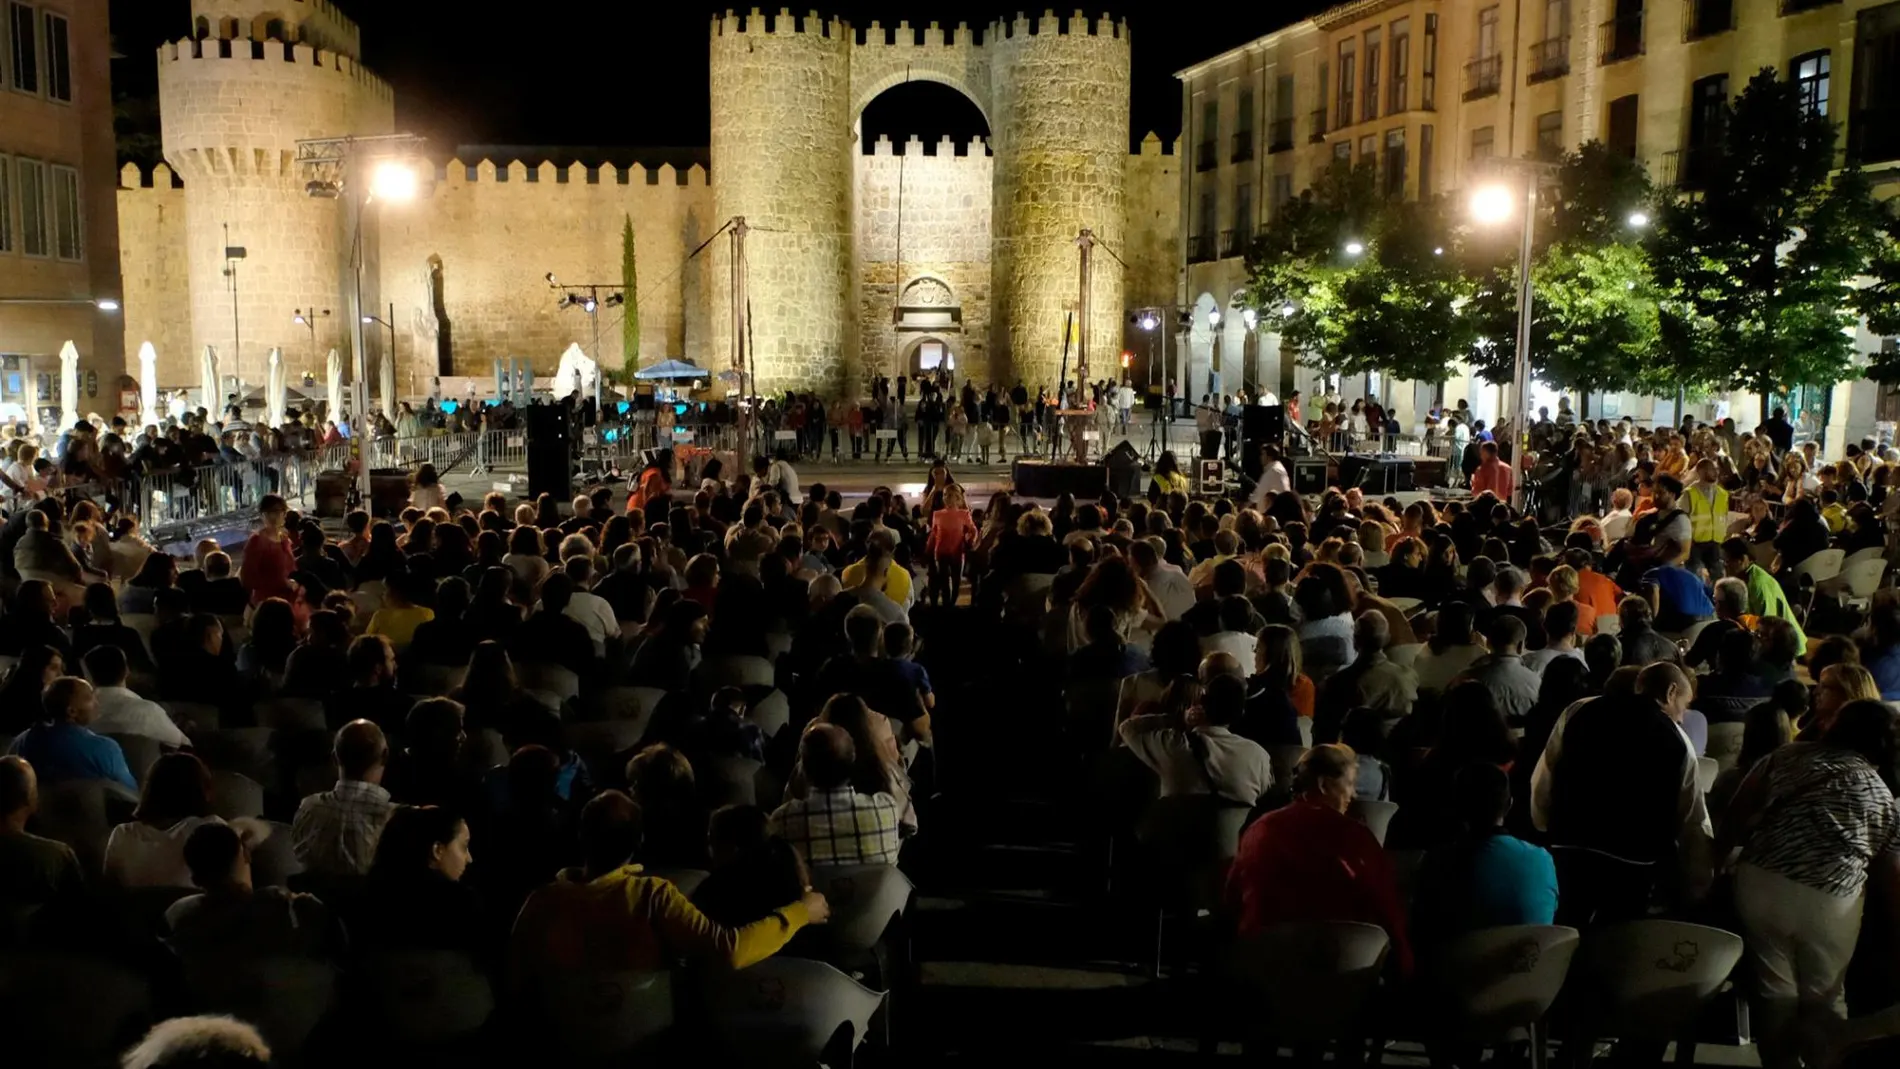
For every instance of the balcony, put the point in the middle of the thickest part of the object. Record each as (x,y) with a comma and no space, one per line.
(1690,169)
(1201,248)
(1235,242)
(1620,38)
(1206,156)
(1796,7)
(1279,136)
(1482,77)
(1873,134)
(1706,18)
(1318,123)
(1243,146)
(1550,58)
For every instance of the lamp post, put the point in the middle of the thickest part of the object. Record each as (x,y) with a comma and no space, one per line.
(390,323)
(590,297)
(339,167)
(308,321)
(1215,374)
(1493,204)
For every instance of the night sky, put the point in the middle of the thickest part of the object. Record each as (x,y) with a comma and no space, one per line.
(548,74)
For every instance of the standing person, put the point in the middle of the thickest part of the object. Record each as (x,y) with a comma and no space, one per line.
(1816,821)
(952,535)
(653,490)
(1707,503)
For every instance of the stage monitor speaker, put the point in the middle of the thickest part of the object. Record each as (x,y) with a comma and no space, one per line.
(1380,474)
(1124,470)
(1049,479)
(1259,425)
(1309,475)
(550,452)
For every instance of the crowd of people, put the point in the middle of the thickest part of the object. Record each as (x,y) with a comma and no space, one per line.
(538,735)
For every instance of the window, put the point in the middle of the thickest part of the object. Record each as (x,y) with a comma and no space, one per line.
(1481,141)
(1550,134)
(1487,32)
(1873,121)
(1368,148)
(33,236)
(6,204)
(66,237)
(1348,73)
(1243,125)
(1208,204)
(1556,18)
(1424,162)
(59,59)
(1342,151)
(1809,73)
(1370,102)
(1210,130)
(1428,72)
(1401,66)
(1395,163)
(1708,118)
(1282,191)
(1243,219)
(26,53)
(1621,135)
(1280,133)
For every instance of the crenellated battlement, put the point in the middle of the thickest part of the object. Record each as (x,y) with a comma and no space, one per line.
(545,173)
(944,148)
(219,57)
(1153,146)
(780,24)
(1050,24)
(162,178)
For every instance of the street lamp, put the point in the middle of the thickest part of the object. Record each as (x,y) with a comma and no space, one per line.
(308,321)
(1355,248)
(103,304)
(1638,219)
(1492,205)
(588,297)
(389,353)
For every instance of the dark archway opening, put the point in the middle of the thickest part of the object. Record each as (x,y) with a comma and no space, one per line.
(928,111)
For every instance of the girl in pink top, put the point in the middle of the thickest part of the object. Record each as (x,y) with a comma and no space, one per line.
(952,533)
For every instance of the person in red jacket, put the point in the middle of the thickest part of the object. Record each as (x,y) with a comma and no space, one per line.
(268,556)
(1312,862)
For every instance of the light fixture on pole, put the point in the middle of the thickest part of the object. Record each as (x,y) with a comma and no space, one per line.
(358,170)
(1355,248)
(1493,204)
(103,304)
(307,319)
(1250,317)
(233,255)
(389,353)
(1638,219)
(589,297)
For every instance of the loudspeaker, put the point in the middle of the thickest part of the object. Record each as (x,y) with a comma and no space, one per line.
(1124,470)
(1259,424)
(550,455)
(1042,478)
(1381,474)
(1309,475)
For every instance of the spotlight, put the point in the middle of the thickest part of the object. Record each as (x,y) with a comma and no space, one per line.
(321,190)
(615,300)
(1439,251)
(1639,219)
(107,304)
(300,319)
(1287,309)
(1213,317)
(1491,204)
(588,306)
(1148,321)
(1249,317)
(551,281)
(1355,248)
(367,320)
(394,181)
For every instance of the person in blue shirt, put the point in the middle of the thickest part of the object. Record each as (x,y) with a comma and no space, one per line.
(1486,878)
(1678,596)
(62,748)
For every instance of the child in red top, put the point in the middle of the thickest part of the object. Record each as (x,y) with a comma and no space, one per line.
(952,533)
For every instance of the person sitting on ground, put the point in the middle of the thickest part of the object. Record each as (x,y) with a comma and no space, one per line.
(1198,754)
(335,831)
(1371,681)
(1309,861)
(1486,877)
(416,897)
(1642,644)
(1725,695)
(1513,686)
(752,872)
(1730,598)
(35,873)
(231,919)
(62,746)
(834,824)
(607,917)
(1766,598)
(121,711)
(149,850)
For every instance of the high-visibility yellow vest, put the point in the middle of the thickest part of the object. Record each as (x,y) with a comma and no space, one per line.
(1708,514)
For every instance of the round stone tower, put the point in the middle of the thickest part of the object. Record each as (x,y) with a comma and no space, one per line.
(1059,126)
(781,157)
(235,98)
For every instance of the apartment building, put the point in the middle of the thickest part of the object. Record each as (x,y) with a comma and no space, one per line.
(59,232)
(1428,90)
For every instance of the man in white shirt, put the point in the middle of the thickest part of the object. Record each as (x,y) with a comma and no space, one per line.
(1560,638)
(1273,477)
(591,611)
(121,712)
(1197,754)
(1618,521)
(1167,583)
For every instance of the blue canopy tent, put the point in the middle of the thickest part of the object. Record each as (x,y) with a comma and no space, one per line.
(669,371)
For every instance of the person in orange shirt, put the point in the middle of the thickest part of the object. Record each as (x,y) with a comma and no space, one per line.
(1597,594)
(607,916)
(1493,474)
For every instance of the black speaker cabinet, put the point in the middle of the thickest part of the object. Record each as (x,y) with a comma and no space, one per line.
(1309,475)
(550,451)
(1259,425)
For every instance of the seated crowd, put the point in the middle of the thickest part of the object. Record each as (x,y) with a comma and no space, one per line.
(560,738)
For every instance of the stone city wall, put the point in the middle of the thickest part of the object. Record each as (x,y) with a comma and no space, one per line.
(1152,248)
(152,238)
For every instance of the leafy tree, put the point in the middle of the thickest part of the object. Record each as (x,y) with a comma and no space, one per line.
(1758,266)
(630,287)
(1879,298)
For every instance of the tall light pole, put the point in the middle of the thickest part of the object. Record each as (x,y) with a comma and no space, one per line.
(308,321)
(389,353)
(1493,204)
(233,254)
(360,169)
(591,297)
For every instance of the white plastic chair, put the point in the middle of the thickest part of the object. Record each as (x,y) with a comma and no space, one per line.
(1650,979)
(687,880)
(435,680)
(291,714)
(245,750)
(285,997)
(1820,566)
(771,713)
(1405,656)
(141,752)
(1494,985)
(603,1016)
(601,743)
(1609,624)
(785,1011)
(864,900)
(618,703)
(274,860)
(235,795)
(1376,816)
(1315,978)
(81,814)
(1694,630)
(733,671)
(1725,745)
(1284,759)
(1863,578)
(732,780)
(551,679)
(1869,553)
(1706,769)
(427,997)
(142,622)
(202,716)
(1405,605)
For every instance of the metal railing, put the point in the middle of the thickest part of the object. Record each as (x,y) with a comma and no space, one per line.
(1206,156)
(1706,18)
(1796,7)
(1483,76)
(1200,248)
(1318,123)
(1279,135)
(1550,58)
(1243,146)
(1234,242)
(1621,38)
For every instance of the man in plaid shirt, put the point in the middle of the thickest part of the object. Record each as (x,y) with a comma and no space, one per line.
(335,831)
(834,824)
